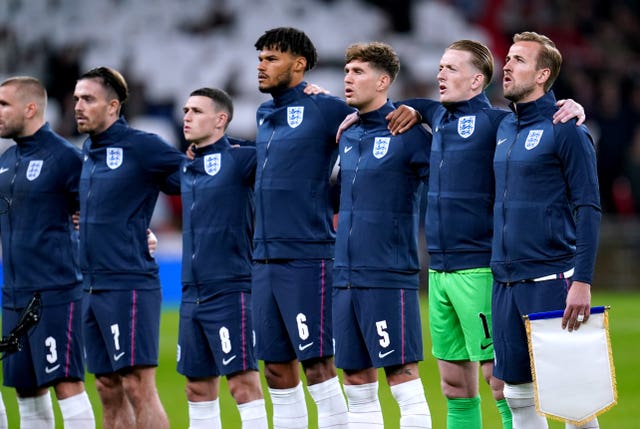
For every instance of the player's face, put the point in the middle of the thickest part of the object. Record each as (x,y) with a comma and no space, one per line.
(12,112)
(361,85)
(456,76)
(199,120)
(519,81)
(93,108)
(275,70)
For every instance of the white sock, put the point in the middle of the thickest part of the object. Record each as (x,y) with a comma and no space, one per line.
(523,408)
(591,424)
(253,415)
(332,407)
(289,408)
(77,412)
(414,410)
(3,414)
(364,406)
(204,415)
(36,412)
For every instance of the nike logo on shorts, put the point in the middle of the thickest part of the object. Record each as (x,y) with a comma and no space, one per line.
(485,346)
(385,354)
(306,346)
(50,370)
(117,357)
(226,362)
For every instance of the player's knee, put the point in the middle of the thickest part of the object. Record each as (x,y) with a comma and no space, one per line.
(282,375)
(457,387)
(110,388)
(318,370)
(68,388)
(139,386)
(245,387)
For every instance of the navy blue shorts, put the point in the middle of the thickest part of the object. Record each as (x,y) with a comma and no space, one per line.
(51,353)
(292,309)
(509,304)
(121,329)
(216,336)
(376,327)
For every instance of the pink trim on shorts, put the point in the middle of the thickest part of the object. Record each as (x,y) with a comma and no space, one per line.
(134,297)
(69,339)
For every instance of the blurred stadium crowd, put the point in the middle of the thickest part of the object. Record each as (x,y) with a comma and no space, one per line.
(166,48)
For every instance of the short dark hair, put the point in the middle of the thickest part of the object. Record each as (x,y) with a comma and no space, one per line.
(380,55)
(287,39)
(481,57)
(221,99)
(111,80)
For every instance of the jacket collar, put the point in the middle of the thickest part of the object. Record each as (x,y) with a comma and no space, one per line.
(218,146)
(33,142)
(378,116)
(289,95)
(116,130)
(468,107)
(542,108)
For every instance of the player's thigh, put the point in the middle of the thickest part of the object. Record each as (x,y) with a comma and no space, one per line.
(447,337)
(272,339)
(194,354)
(53,349)
(128,323)
(351,352)
(471,298)
(303,295)
(391,325)
(227,324)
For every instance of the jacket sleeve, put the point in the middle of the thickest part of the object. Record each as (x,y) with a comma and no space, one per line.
(163,161)
(577,154)
(426,107)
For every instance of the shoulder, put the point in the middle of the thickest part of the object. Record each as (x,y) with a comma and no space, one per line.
(242,152)
(570,131)
(328,101)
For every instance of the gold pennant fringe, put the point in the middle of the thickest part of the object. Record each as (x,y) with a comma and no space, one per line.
(614,384)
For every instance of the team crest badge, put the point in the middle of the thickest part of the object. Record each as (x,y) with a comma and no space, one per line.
(466,126)
(34,169)
(381,146)
(533,139)
(114,157)
(212,164)
(295,116)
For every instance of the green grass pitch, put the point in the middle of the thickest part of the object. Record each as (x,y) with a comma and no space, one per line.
(625,336)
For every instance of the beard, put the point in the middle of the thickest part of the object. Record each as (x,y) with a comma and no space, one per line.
(282,82)
(11,131)
(517,93)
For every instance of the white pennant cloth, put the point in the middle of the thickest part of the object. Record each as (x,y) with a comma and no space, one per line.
(573,373)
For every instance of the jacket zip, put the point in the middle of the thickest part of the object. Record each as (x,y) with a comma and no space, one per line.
(504,195)
(9,217)
(353,182)
(262,222)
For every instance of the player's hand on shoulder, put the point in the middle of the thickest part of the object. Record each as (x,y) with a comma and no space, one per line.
(569,109)
(350,119)
(402,119)
(313,89)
